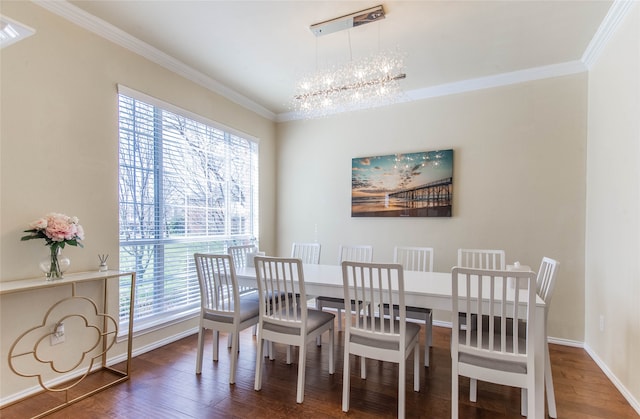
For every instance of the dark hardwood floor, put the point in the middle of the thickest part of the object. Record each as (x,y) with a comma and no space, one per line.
(163,384)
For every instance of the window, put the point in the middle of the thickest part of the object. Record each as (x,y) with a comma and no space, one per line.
(186,185)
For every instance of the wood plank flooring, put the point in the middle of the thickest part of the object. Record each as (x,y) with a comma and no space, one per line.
(163,384)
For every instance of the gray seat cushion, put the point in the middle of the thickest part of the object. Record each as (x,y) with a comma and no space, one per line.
(422,311)
(508,366)
(249,308)
(332,299)
(494,364)
(370,340)
(315,319)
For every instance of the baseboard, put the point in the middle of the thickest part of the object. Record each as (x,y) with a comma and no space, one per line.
(155,345)
(621,388)
(12,398)
(565,342)
(441,323)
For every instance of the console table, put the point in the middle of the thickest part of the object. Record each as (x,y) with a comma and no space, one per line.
(104,325)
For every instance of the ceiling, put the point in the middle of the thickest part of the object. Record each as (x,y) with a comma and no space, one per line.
(257,50)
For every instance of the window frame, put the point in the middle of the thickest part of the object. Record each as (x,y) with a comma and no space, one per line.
(210,241)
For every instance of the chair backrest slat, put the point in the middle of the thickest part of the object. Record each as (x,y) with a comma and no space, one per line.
(546,281)
(218,284)
(358,253)
(239,253)
(487,292)
(280,281)
(309,253)
(370,286)
(481,259)
(414,258)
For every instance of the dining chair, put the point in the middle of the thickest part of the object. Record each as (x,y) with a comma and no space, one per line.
(545,284)
(480,259)
(356,253)
(309,253)
(285,320)
(222,307)
(241,255)
(491,354)
(417,259)
(241,252)
(373,335)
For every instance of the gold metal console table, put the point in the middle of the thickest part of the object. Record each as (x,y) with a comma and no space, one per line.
(105,329)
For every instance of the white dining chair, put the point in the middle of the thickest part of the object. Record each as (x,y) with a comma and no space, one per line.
(309,253)
(355,253)
(545,284)
(240,255)
(241,252)
(285,320)
(372,335)
(491,354)
(480,259)
(222,308)
(417,259)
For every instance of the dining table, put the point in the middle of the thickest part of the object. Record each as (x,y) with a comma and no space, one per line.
(422,289)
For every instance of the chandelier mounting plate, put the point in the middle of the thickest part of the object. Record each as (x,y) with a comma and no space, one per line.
(348,21)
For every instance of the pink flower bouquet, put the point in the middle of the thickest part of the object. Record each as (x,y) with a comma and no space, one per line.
(57,230)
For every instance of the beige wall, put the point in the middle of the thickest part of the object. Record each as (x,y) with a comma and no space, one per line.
(59,152)
(519,181)
(613,208)
(520,157)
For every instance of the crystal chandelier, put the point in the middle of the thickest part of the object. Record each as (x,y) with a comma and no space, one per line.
(365,83)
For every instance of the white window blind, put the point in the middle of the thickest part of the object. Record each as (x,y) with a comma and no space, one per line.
(187,185)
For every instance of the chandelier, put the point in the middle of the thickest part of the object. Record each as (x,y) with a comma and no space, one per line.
(364,83)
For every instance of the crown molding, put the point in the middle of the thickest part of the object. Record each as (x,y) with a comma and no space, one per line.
(616,14)
(488,82)
(497,80)
(119,37)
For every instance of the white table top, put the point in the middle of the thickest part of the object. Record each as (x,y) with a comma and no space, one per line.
(422,289)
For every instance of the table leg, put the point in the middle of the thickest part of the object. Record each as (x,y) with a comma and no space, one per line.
(540,342)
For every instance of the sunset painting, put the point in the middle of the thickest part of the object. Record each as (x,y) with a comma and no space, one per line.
(403,185)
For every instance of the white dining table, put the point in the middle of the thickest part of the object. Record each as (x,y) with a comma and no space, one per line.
(422,289)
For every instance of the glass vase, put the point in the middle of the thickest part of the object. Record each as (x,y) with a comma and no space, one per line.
(55,265)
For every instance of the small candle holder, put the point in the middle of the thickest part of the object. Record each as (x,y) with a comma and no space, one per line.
(103,263)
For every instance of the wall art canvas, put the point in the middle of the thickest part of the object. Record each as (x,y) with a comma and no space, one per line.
(403,185)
